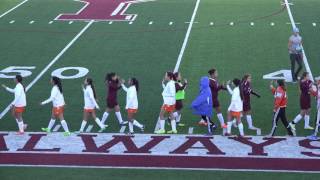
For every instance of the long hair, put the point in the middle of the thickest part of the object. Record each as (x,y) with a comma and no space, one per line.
(57,81)
(175,76)
(109,76)
(245,77)
(135,83)
(19,80)
(237,83)
(170,75)
(282,84)
(304,75)
(212,71)
(90,82)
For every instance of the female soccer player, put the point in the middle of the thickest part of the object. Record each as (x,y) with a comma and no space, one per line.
(215,88)
(168,107)
(180,95)
(19,103)
(202,105)
(236,106)
(247,91)
(113,85)
(132,103)
(280,104)
(305,102)
(58,103)
(90,105)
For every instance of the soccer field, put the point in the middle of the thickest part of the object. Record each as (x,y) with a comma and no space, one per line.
(234,36)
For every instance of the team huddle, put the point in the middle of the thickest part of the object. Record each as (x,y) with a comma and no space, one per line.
(173,94)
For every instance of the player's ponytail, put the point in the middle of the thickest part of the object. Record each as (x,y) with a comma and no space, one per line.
(19,80)
(135,83)
(57,81)
(90,82)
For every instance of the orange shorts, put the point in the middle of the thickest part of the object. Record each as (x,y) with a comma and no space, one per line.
(57,111)
(235,114)
(19,109)
(132,111)
(168,108)
(89,110)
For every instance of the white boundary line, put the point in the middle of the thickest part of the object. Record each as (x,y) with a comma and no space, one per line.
(183,48)
(15,7)
(54,60)
(293,24)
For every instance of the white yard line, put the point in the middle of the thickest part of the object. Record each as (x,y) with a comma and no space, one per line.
(54,60)
(183,48)
(15,7)
(293,24)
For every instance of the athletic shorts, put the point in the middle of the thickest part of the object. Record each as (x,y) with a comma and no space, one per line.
(305,102)
(132,111)
(246,106)
(179,105)
(19,109)
(168,108)
(111,103)
(215,103)
(57,111)
(235,114)
(89,110)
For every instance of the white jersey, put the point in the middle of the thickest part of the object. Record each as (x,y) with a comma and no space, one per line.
(169,93)
(132,98)
(19,96)
(236,104)
(56,97)
(89,100)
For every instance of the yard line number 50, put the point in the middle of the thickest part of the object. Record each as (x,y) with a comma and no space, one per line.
(25,71)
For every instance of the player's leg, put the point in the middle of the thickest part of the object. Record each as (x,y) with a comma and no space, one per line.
(118,115)
(297,119)
(84,121)
(134,121)
(293,67)
(173,123)
(106,114)
(275,119)
(60,115)
(284,120)
(18,117)
(161,121)
(220,117)
(51,122)
(237,115)
(307,120)
(299,60)
(229,124)
(97,120)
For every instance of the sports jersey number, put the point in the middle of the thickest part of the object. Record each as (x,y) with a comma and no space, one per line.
(12,71)
(81,72)
(281,74)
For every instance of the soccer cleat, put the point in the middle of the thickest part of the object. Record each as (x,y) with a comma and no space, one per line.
(142,128)
(308,127)
(227,134)
(103,129)
(223,126)
(47,130)
(67,133)
(25,126)
(292,126)
(202,123)
(258,132)
(313,138)
(130,133)
(181,124)
(160,131)
(172,132)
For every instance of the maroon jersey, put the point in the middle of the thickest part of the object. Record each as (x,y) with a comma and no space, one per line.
(246,92)
(215,88)
(305,98)
(113,87)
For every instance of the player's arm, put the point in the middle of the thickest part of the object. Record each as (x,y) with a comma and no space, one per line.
(17,94)
(255,93)
(229,88)
(52,96)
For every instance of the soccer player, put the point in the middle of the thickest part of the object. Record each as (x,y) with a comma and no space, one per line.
(90,105)
(236,106)
(113,85)
(215,89)
(247,91)
(316,92)
(180,95)
(295,53)
(305,102)
(202,105)
(280,104)
(58,103)
(19,103)
(168,107)
(132,103)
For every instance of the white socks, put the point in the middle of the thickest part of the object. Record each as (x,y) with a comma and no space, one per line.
(229,124)
(83,125)
(240,126)
(221,120)
(136,123)
(297,119)
(51,123)
(119,117)
(65,126)
(130,127)
(21,126)
(104,117)
(306,121)
(249,120)
(162,124)
(100,124)
(173,125)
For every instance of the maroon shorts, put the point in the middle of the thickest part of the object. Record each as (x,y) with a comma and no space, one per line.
(215,103)
(111,103)
(179,105)
(305,102)
(246,106)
